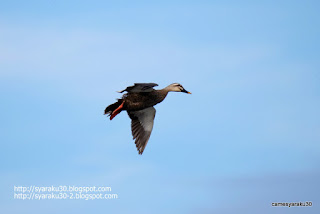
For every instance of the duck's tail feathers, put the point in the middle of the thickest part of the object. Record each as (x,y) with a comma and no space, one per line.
(114,109)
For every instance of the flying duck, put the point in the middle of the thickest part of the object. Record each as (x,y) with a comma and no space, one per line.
(138,102)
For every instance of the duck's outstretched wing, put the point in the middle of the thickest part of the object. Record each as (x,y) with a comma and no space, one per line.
(140,87)
(141,126)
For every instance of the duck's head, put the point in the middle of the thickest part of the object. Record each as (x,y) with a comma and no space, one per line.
(177,88)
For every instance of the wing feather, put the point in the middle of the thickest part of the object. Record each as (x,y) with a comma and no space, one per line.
(140,87)
(141,126)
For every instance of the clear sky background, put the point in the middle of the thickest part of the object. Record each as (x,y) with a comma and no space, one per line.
(247,136)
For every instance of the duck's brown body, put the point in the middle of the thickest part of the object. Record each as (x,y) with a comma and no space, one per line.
(140,100)
(135,101)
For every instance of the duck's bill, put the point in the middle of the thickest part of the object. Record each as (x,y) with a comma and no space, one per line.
(185,91)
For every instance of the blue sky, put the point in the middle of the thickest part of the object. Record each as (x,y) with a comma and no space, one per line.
(247,136)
